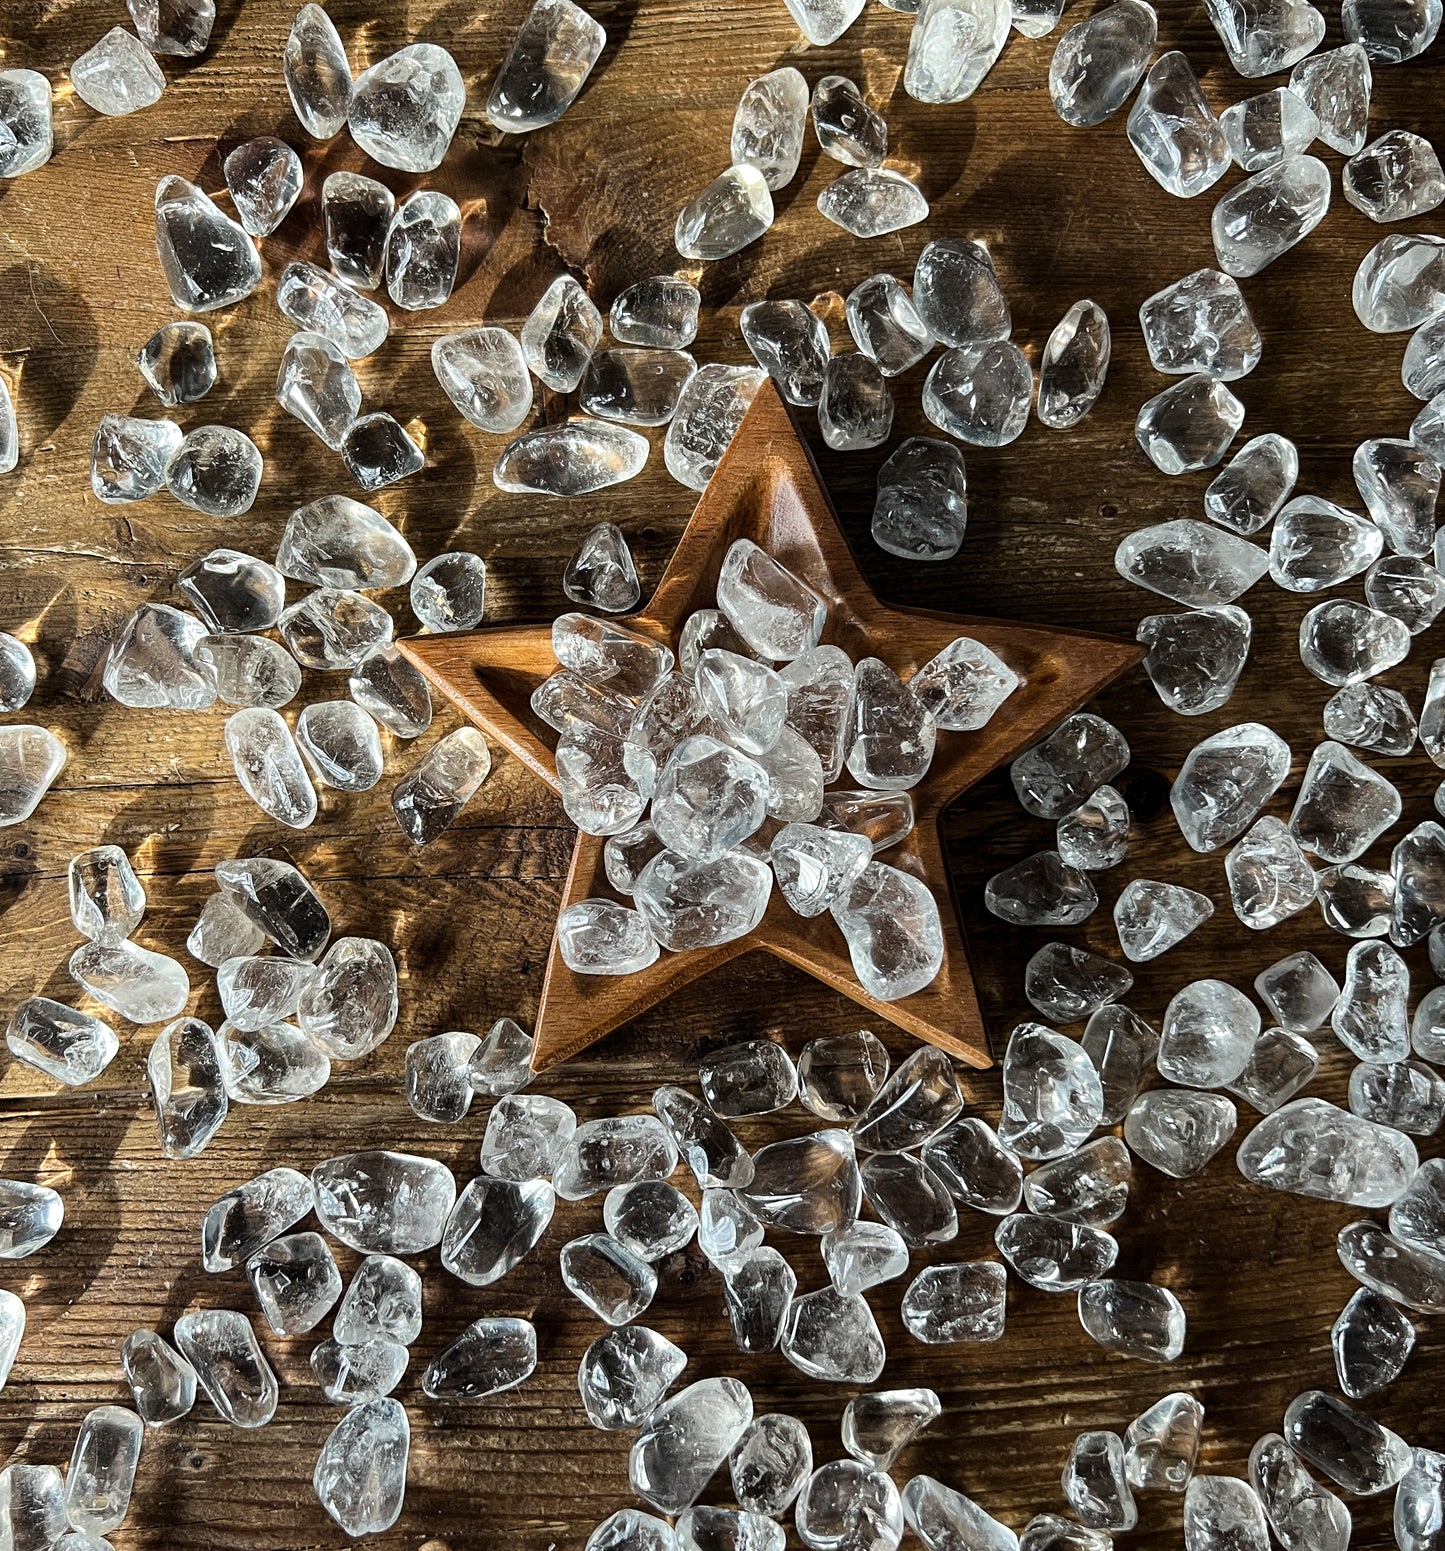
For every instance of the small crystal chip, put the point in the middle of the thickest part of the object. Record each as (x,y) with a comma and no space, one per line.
(660,312)
(1041,891)
(1262,218)
(847,1502)
(216,470)
(378,451)
(1189,426)
(625,1373)
(833,1338)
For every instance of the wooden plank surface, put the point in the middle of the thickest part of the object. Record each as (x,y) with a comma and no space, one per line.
(1067,213)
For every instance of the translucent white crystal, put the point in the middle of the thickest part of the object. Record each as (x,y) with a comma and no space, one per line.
(546,67)
(404,110)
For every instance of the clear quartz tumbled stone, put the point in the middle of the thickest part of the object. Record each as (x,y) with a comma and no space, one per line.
(769,125)
(735,209)
(317,73)
(1262,218)
(1335,86)
(25,121)
(546,68)
(1395,177)
(264,180)
(1174,131)
(117,75)
(1189,426)
(1265,130)
(1267,35)
(1195,659)
(1098,62)
(405,109)
(1161,1444)
(209,260)
(1190,562)
(1201,323)
(660,312)
(953,45)
(1074,366)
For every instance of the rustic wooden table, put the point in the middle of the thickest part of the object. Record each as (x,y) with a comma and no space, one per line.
(1067,213)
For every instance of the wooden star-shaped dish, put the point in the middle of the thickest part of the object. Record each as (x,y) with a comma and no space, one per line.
(767,488)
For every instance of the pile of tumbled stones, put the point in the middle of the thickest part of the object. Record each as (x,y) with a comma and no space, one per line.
(921,1158)
(899,1142)
(680,759)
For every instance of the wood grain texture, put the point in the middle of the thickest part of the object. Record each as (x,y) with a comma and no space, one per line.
(1066,213)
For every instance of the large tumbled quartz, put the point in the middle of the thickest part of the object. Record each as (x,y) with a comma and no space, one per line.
(891,923)
(25,122)
(1225,781)
(1395,177)
(685,1440)
(140,985)
(1267,36)
(848,1501)
(128,457)
(768,127)
(954,44)
(317,73)
(489,1357)
(573,458)
(1344,642)
(264,179)
(1343,805)
(1191,562)
(1262,218)
(360,1474)
(216,470)
(623,1375)
(484,373)
(1052,1098)
(708,414)
(1248,492)
(885,325)
(1151,916)
(209,260)
(1335,86)
(116,76)
(1270,878)
(1313,1148)
(834,1338)
(1189,426)
(1265,130)
(734,210)
(1179,1132)
(546,67)
(1099,62)
(1161,1444)
(824,21)
(1349,1447)
(405,109)
(1041,891)
(161,1380)
(269,767)
(1370,1017)
(1316,544)
(1055,776)
(873,201)
(1201,323)
(1135,1319)
(941,1517)
(1095,1483)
